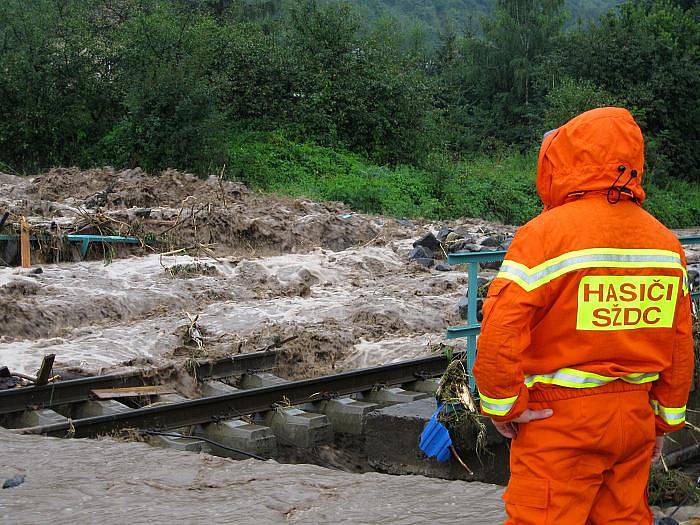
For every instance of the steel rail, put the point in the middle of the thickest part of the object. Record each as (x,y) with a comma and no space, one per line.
(244,402)
(74,390)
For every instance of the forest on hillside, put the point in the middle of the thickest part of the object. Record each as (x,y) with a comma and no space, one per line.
(316,98)
(433,17)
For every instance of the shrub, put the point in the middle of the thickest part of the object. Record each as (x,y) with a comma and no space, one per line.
(498,189)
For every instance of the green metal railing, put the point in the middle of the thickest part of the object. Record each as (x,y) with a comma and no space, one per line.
(84,240)
(473,327)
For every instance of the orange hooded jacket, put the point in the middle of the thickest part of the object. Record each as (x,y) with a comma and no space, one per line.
(592,295)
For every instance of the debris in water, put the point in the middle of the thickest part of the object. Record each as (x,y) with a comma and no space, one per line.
(194,333)
(190,270)
(14,482)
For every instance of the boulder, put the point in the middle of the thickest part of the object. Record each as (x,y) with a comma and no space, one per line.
(421,252)
(489,265)
(423,261)
(451,237)
(464,245)
(493,241)
(443,233)
(463,307)
(428,241)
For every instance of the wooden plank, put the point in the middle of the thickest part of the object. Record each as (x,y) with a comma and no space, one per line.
(133,391)
(42,377)
(24,243)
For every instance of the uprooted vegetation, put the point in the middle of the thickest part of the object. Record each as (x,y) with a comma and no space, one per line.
(671,487)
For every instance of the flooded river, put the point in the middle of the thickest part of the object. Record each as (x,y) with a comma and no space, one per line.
(340,307)
(108,482)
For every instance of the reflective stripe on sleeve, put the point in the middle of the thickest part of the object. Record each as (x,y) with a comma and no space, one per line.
(672,416)
(531,278)
(572,378)
(495,406)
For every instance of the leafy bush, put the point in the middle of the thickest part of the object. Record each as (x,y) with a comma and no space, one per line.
(271,162)
(499,189)
(677,204)
(495,189)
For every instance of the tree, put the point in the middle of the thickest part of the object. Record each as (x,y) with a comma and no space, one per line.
(492,84)
(646,55)
(55,94)
(354,89)
(168,78)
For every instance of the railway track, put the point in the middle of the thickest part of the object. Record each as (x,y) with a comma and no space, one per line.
(76,390)
(207,409)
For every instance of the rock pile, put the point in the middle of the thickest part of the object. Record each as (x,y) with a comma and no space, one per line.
(431,250)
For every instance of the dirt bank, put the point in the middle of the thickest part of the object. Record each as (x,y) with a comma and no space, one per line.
(174,209)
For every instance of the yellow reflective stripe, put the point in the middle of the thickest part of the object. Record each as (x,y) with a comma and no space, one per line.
(495,406)
(531,278)
(573,378)
(672,416)
(529,286)
(640,378)
(595,251)
(496,401)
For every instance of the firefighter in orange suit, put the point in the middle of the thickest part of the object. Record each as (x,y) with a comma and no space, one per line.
(586,353)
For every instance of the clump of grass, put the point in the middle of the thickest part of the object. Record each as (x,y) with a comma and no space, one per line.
(461,415)
(190,270)
(671,487)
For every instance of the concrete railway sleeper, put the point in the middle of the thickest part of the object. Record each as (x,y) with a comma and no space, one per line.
(337,421)
(244,402)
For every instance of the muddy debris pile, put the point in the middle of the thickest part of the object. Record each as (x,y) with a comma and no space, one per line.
(171,211)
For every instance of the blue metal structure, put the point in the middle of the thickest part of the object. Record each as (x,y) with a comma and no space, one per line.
(435,440)
(84,240)
(473,327)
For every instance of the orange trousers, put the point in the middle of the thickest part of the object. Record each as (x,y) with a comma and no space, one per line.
(587,464)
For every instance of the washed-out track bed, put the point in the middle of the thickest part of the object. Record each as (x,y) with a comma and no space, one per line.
(319,420)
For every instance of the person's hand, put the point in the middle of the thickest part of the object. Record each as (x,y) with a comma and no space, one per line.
(658,447)
(509,429)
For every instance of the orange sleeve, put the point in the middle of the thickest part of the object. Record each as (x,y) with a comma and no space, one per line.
(505,333)
(669,394)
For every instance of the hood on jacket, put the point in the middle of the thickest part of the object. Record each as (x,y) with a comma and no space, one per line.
(586,153)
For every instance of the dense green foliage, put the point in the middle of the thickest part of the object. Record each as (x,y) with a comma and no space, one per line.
(346,102)
(501,188)
(431,17)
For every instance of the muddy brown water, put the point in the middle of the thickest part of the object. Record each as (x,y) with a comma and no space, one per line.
(339,306)
(107,482)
